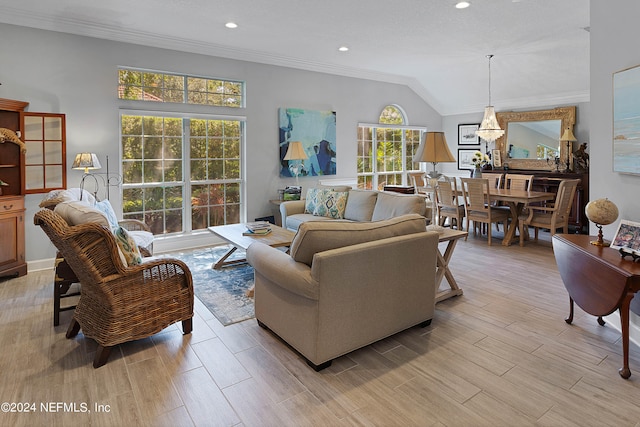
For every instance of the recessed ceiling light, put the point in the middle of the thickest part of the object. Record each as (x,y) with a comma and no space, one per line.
(462,5)
(231,25)
(343,49)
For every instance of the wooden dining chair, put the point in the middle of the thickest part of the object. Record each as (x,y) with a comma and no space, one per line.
(478,205)
(420,182)
(446,195)
(518,182)
(495,180)
(551,216)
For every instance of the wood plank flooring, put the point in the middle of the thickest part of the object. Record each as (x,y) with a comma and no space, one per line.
(499,355)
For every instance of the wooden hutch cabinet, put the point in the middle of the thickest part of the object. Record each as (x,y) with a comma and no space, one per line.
(12,211)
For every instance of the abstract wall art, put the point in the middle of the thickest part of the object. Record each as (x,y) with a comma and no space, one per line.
(316,130)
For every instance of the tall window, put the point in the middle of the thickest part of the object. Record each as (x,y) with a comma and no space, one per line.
(385,150)
(158,152)
(181,172)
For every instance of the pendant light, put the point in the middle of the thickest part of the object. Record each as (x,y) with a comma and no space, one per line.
(489,129)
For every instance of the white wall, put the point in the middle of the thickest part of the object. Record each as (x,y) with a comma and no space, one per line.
(77,76)
(614,47)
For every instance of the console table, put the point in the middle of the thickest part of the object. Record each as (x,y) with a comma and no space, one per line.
(599,280)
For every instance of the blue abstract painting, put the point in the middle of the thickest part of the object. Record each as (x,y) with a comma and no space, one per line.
(316,130)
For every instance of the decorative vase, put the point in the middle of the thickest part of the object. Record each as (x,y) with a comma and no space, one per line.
(476,172)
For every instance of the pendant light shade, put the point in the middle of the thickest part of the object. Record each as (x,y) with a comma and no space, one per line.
(489,129)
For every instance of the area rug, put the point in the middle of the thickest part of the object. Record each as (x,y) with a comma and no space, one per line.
(221,291)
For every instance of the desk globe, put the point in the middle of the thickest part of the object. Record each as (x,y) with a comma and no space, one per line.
(601,212)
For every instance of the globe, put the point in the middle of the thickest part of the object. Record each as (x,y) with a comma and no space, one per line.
(601,212)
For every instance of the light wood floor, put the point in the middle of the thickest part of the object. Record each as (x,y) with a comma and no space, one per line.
(500,355)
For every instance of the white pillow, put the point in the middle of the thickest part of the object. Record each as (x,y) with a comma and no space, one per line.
(80,213)
(106,208)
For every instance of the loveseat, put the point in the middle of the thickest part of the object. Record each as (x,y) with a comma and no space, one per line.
(327,204)
(344,285)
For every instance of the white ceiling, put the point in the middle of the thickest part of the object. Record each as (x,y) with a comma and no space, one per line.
(541,47)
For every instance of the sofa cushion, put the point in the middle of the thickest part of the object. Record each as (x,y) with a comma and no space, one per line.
(105,207)
(294,221)
(80,212)
(319,236)
(360,205)
(72,194)
(390,205)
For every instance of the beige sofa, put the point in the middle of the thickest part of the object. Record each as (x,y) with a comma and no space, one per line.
(346,285)
(361,205)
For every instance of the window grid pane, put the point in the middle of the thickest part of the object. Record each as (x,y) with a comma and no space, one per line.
(153,162)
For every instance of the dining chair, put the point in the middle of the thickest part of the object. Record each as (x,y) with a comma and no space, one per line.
(478,205)
(446,195)
(495,180)
(551,216)
(518,182)
(420,182)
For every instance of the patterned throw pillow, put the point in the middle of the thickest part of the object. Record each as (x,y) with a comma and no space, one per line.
(128,247)
(311,201)
(331,204)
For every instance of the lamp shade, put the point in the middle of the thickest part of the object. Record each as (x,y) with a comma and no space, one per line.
(295,151)
(433,149)
(86,161)
(568,136)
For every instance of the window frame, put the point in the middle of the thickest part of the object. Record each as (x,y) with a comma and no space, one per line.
(186,183)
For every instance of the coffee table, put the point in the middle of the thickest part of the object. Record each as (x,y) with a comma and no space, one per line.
(232,233)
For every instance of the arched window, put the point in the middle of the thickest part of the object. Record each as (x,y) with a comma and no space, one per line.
(386,149)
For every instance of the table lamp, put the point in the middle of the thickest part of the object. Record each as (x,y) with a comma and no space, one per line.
(296,153)
(568,137)
(433,149)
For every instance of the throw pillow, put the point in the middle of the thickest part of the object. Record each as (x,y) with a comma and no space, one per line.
(312,200)
(80,213)
(106,208)
(331,204)
(128,247)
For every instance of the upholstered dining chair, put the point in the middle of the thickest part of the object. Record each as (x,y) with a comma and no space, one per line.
(118,303)
(478,205)
(551,216)
(446,194)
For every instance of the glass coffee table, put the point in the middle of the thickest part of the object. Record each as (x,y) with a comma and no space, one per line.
(232,233)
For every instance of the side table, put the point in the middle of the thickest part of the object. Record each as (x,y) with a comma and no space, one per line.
(443,271)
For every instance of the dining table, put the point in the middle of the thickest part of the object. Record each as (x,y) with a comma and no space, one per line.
(517,200)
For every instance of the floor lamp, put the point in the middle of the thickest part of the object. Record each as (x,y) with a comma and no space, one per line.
(86,162)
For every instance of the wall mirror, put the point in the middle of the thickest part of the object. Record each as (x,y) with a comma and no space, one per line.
(532,137)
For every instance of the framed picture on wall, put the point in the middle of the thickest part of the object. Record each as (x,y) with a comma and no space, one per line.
(467,134)
(465,157)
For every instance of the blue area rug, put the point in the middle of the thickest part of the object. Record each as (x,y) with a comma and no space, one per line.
(221,291)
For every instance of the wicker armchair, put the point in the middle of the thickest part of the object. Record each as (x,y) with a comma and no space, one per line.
(118,303)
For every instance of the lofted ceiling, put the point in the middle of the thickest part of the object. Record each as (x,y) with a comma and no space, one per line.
(540,47)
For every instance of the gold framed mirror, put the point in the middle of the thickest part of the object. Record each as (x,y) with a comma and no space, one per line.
(518,153)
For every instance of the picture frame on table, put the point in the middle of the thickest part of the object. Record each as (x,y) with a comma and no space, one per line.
(467,134)
(627,237)
(496,157)
(465,156)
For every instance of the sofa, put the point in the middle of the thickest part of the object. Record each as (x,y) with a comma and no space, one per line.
(344,285)
(330,204)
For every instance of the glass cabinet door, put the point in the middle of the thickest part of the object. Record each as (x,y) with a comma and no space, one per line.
(45,161)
